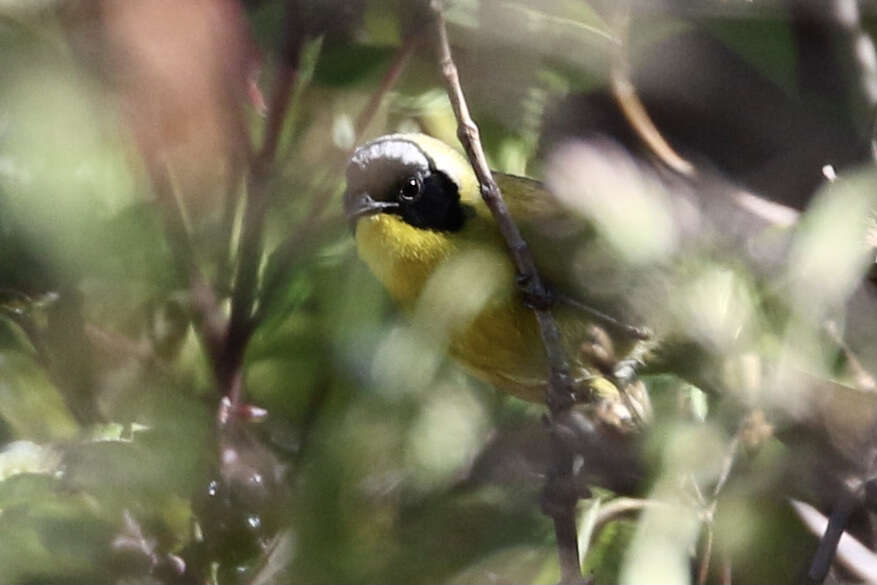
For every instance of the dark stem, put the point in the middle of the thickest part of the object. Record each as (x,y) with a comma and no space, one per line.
(565,533)
(633,331)
(249,254)
(559,396)
(836,55)
(837,522)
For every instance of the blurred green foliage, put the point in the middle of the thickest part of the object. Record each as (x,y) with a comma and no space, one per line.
(363,470)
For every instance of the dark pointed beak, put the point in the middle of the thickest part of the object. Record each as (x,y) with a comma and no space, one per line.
(357,205)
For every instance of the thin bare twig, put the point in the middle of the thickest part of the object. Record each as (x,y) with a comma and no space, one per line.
(709,506)
(863,378)
(559,397)
(639,119)
(613,510)
(618,507)
(727,464)
(632,107)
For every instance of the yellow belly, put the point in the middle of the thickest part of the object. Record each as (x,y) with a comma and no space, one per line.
(468,298)
(502,347)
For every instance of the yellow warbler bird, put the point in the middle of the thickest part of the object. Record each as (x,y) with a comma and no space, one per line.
(415,205)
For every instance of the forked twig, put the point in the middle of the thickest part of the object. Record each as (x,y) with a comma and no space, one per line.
(559,393)
(708,507)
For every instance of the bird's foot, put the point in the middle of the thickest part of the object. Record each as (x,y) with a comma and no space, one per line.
(626,372)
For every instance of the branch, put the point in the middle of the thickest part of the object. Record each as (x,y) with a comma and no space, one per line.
(843,18)
(851,553)
(560,394)
(249,254)
(863,379)
(836,57)
(616,509)
(709,508)
(860,48)
(632,107)
(846,504)
(560,500)
(619,507)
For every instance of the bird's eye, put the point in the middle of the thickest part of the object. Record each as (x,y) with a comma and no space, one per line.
(410,189)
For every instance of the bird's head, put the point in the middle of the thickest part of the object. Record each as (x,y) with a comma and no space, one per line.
(417,180)
(409,200)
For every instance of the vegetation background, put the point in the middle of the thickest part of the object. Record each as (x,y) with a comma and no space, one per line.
(173,259)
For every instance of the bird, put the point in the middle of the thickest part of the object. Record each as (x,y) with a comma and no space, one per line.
(415,207)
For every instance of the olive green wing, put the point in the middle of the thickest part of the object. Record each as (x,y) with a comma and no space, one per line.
(552,234)
(580,270)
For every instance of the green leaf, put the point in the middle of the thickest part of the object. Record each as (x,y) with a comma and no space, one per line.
(29,402)
(25,488)
(342,66)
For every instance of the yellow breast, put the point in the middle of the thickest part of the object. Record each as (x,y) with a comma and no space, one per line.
(465,295)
